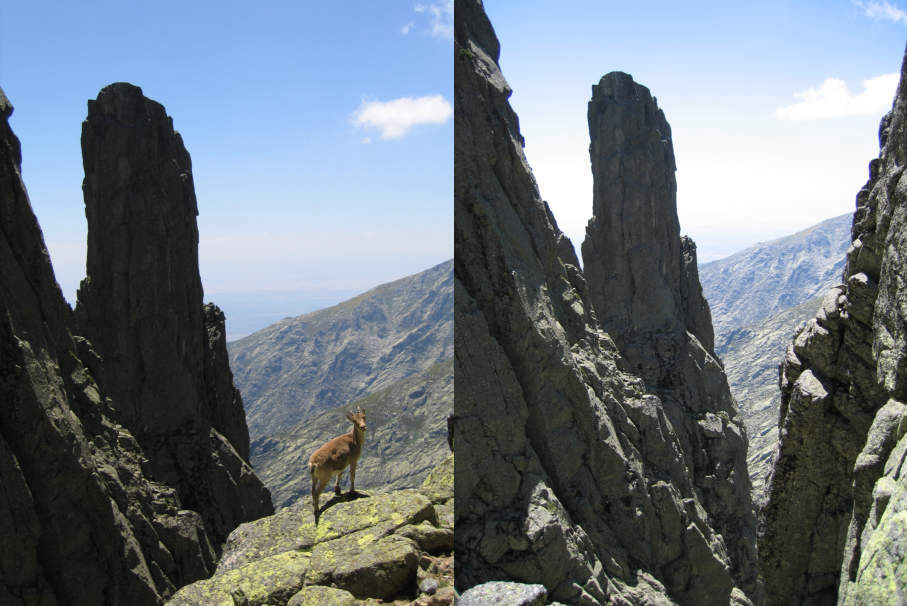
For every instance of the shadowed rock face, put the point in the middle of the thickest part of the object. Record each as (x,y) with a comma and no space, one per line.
(644,287)
(832,528)
(569,472)
(80,522)
(106,495)
(164,353)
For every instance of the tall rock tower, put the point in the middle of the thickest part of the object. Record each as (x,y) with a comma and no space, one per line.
(644,287)
(164,353)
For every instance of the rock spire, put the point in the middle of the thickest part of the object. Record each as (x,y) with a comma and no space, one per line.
(164,352)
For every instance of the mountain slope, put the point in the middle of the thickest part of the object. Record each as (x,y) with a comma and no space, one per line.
(301,366)
(760,281)
(406,438)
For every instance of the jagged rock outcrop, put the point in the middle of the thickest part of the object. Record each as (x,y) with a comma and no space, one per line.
(366,548)
(759,298)
(644,287)
(750,357)
(832,526)
(80,520)
(164,354)
(568,472)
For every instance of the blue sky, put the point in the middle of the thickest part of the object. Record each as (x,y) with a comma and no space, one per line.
(773,120)
(320,133)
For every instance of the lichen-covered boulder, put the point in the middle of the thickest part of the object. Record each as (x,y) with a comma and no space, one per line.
(366,565)
(294,527)
(428,537)
(363,548)
(272,580)
(877,556)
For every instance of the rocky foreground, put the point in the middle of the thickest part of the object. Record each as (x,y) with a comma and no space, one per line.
(377,548)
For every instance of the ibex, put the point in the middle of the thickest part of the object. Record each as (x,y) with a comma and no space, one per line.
(332,458)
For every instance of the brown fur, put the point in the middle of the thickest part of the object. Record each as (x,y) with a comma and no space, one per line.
(335,456)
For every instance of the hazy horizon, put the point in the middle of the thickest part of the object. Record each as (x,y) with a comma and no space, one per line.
(774,107)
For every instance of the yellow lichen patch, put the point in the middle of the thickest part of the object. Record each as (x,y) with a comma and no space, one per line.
(322,596)
(287,530)
(269,580)
(438,486)
(399,507)
(381,567)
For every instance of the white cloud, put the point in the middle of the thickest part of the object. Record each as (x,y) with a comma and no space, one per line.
(441,16)
(834,100)
(883,10)
(395,118)
(407,28)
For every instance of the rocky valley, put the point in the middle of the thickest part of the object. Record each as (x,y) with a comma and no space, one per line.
(597,429)
(759,297)
(305,365)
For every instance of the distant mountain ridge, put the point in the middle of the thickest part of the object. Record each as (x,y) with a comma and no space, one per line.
(302,366)
(758,282)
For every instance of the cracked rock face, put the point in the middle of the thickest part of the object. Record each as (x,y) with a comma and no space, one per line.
(832,526)
(570,470)
(164,353)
